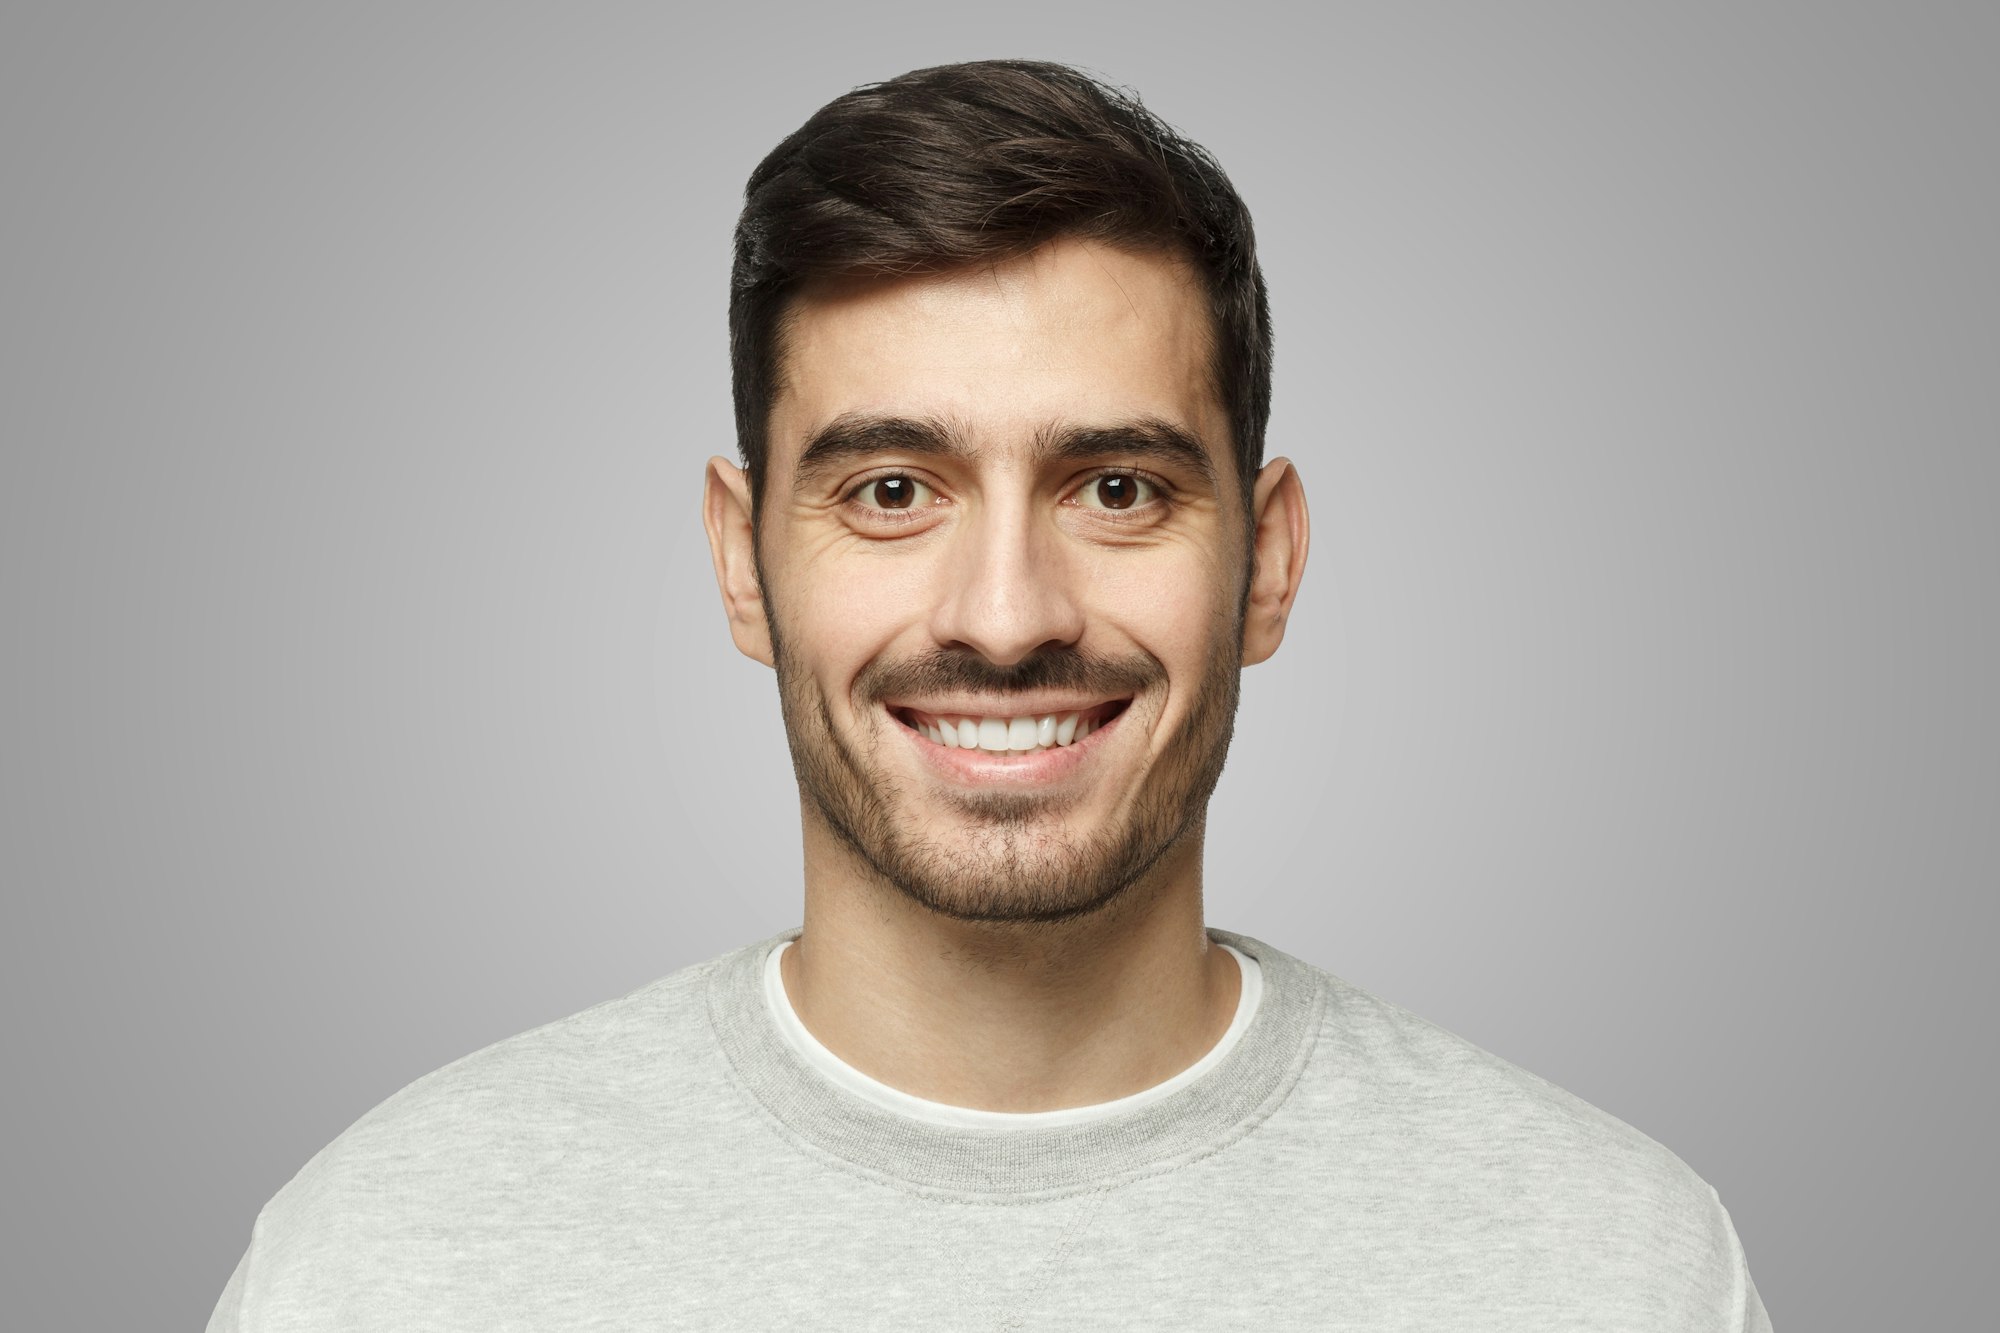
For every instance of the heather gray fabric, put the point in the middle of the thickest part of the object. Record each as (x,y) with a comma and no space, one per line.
(668,1160)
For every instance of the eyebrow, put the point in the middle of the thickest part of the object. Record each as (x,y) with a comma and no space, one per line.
(1148,438)
(855,435)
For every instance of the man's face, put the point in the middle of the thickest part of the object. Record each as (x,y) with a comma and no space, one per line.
(1003,562)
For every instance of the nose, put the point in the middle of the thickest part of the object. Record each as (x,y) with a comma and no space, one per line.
(1008,586)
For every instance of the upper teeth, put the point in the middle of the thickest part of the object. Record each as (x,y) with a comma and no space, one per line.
(1003,734)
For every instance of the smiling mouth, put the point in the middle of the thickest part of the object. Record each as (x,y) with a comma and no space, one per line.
(1023,734)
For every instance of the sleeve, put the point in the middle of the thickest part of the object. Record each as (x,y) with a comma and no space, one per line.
(1754,1318)
(228,1316)
(1749,1315)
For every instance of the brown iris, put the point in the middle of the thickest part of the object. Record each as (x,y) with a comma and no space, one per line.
(895,492)
(1117,492)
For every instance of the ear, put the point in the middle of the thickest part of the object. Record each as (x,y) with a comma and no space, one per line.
(1278,513)
(725,512)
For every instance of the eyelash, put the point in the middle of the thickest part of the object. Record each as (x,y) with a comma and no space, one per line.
(1163,496)
(877,514)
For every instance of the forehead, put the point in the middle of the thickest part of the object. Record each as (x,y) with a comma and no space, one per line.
(1074,333)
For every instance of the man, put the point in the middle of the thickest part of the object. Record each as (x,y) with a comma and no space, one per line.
(1004,532)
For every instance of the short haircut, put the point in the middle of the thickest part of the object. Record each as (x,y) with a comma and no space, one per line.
(957,165)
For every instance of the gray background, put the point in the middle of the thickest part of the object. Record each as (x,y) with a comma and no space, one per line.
(367,698)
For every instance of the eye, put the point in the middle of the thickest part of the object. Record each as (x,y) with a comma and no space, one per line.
(1117,490)
(893,492)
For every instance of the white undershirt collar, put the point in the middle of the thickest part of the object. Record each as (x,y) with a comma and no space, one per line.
(941,1113)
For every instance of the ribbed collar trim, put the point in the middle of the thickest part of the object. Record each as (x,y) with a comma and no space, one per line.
(1020,1164)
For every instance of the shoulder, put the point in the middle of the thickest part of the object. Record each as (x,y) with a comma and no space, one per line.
(628,1057)
(1498,1163)
(479,1147)
(1447,1086)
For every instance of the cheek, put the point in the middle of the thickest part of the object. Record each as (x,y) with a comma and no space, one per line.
(858,589)
(1170,603)
(851,609)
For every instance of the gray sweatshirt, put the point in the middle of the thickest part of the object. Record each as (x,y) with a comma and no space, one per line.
(674,1159)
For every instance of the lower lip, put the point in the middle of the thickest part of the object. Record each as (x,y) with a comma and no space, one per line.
(985,767)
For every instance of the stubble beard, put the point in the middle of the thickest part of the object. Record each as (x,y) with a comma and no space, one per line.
(1003,856)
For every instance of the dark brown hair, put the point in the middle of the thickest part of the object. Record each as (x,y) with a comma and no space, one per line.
(973,163)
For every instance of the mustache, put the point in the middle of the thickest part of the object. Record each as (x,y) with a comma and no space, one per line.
(945,670)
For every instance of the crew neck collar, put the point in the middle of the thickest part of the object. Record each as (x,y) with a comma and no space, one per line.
(1249,993)
(1017,1160)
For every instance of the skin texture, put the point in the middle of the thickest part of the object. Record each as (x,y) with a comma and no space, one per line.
(1006,934)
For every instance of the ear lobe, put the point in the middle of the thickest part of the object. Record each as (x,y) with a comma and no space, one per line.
(1282,533)
(732,544)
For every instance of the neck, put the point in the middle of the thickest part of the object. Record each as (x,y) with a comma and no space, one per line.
(1009,1016)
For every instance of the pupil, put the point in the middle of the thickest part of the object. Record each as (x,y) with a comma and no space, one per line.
(1116,492)
(896,492)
